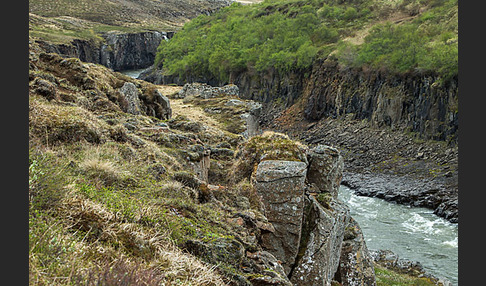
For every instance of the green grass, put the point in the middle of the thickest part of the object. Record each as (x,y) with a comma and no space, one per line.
(386,277)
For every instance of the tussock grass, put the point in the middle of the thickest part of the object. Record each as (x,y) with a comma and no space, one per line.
(55,124)
(385,277)
(67,251)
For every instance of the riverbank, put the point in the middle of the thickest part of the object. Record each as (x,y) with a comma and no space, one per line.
(407,239)
(392,164)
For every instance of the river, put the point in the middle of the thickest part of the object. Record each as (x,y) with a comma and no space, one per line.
(412,233)
(133,73)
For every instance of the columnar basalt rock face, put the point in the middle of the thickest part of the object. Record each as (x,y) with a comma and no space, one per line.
(281,187)
(119,51)
(325,169)
(130,51)
(415,101)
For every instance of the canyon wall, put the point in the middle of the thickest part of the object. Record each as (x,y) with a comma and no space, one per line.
(117,51)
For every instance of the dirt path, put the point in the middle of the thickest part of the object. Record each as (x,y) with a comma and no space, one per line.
(194,113)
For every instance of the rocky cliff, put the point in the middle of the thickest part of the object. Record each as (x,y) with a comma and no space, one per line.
(402,124)
(299,199)
(117,51)
(421,103)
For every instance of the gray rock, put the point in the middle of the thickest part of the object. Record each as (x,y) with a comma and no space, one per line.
(320,248)
(219,250)
(270,271)
(234,102)
(130,93)
(45,88)
(165,109)
(325,169)
(206,91)
(252,118)
(280,184)
(356,264)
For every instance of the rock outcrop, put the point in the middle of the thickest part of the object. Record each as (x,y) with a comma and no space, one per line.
(280,184)
(130,93)
(117,51)
(356,263)
(325,169)
(124,51)
(313,234)
(322,238)
(206,91)
(419,102)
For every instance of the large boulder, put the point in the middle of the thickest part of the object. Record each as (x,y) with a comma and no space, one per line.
(322,236)
(325,169)
(280,184)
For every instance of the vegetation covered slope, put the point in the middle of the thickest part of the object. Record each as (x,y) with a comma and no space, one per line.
(148,14)
(291,34)
(111,195)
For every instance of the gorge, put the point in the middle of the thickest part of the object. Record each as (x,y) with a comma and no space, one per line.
(250,180)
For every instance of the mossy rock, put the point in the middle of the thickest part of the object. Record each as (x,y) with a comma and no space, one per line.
(220,250)
(268,146)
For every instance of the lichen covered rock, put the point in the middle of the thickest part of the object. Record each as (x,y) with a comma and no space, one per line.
(320,248)
(355,265)
(280,184)
(206,91)
(130,93)
(325,169)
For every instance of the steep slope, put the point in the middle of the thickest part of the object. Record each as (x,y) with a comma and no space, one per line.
(120,35)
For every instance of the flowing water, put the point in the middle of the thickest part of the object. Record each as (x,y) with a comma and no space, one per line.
(412,233)
(133,73)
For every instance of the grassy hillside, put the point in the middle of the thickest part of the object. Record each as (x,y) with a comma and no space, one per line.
(400,35)
(147,14)
(61,21)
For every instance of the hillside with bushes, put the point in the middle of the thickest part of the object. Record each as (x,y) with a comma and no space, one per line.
(399,36)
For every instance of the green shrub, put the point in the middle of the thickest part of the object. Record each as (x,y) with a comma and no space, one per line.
(428,43)
(290,34)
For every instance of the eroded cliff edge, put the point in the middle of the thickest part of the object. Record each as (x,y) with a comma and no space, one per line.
(118,51)
(390,127)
